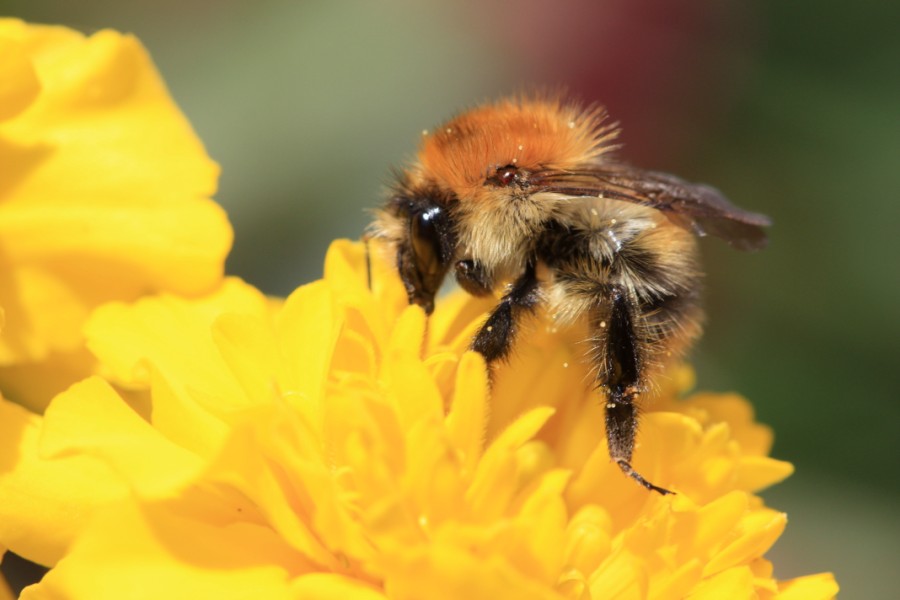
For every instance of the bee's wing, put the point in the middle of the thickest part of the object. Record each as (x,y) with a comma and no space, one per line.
(697,207)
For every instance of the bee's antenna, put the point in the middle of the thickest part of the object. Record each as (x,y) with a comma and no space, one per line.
(368,263)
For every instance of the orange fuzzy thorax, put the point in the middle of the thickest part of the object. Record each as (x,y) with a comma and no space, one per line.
(526,133)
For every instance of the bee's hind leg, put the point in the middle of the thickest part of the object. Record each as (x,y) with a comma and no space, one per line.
(619,377)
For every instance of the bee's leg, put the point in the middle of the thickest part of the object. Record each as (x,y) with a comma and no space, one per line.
(472,277)
(496,336)
(620,378)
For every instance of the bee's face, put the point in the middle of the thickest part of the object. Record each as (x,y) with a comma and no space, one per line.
(420,222)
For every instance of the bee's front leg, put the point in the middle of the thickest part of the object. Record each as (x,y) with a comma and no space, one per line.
(620,377)
(496,336)
(473,277)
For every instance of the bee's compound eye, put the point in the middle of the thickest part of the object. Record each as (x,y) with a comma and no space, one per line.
(506,175)
(426,241)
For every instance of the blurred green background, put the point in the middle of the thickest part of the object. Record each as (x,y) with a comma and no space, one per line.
(791,108)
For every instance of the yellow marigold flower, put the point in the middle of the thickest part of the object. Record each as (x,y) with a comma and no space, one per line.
(104,195)
(340,445)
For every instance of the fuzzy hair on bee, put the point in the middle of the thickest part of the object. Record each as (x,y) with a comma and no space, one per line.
(523,198)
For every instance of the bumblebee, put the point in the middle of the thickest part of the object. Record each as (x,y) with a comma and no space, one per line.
(522,198)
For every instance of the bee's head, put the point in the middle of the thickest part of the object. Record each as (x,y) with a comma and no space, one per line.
(474,167)
(418,222)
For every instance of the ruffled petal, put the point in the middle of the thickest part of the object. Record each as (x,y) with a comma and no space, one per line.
(45,502)
(134,341)
(105,193)
(812,587)
(19,84)
(152,561)
(90,419)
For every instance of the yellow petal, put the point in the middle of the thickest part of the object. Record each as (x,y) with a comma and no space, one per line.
(43,42)
(43,313)
(494,482)
(132,340)
(762,575)
(330,586)
(677,583)
(105,189)
(248,349)
(271,458)
(443,572)
(80,244)
(541,532)
(19,84)
(587,538)
(754,438)
(45,502)
(434,483)
(91,419)
(702,530)
(308,326)
(812,587)
(532,379)
(103,105)
(185,421)
(196,390)
(735,583)
(756,473)
(348,268)
(165,555)
(573,585)
(756,534)
(621,576)
(467,419)
(34,384)
(413,389)
(408,334)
